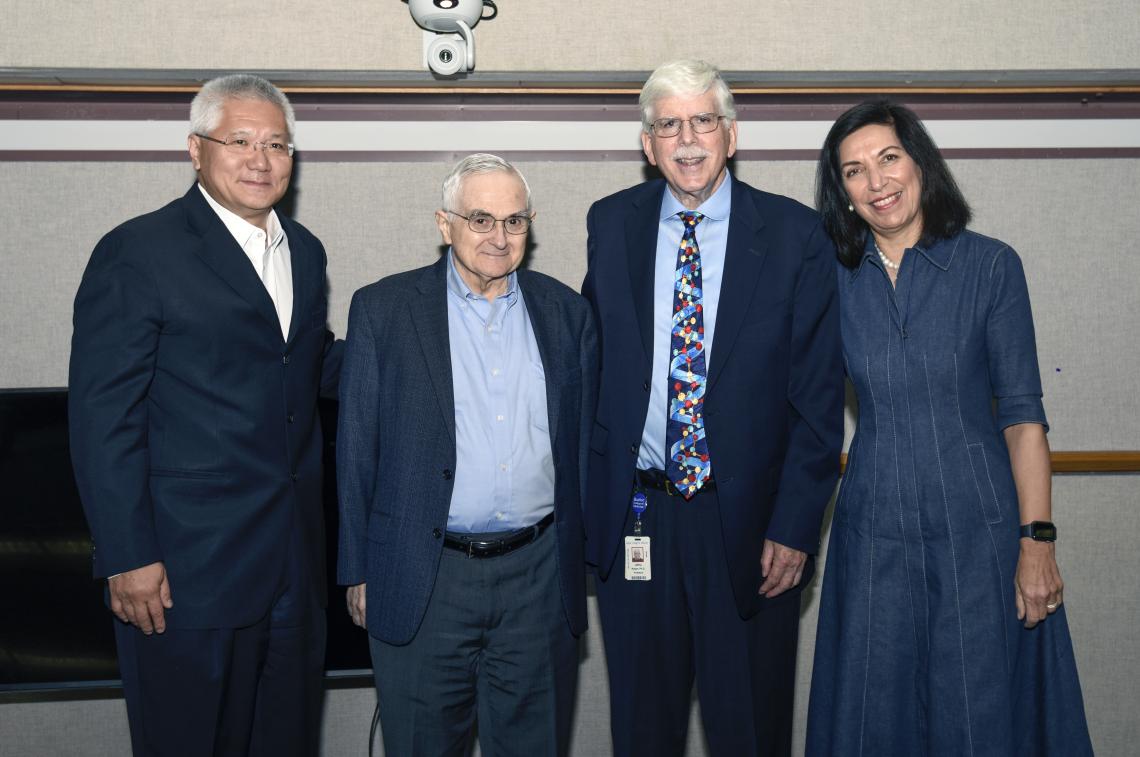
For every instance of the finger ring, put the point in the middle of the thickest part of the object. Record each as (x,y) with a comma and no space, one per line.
(1052,606)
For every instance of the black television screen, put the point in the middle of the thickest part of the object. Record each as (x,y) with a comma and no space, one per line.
(55,631)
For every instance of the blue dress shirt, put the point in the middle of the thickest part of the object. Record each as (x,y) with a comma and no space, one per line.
(504,473)
(712,240)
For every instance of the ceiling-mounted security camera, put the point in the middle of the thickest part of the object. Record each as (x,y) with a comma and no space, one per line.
(449,43)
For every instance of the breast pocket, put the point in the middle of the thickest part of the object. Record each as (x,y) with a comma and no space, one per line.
(768,313)
(316,318)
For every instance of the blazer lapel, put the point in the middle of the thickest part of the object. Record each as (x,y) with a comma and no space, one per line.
(302,260)
(221,253)
(429,318)
(743,261)
(641,242)
(544,320)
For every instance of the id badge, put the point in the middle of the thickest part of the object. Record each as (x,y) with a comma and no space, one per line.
(637,565)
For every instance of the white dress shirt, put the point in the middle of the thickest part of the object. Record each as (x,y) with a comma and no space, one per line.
(267,252)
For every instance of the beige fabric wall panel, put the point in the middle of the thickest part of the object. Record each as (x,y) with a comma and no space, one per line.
(533,35)
(290,34)
(1072,221)
(1071,224)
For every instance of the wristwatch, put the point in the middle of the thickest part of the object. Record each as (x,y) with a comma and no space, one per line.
(1039,530)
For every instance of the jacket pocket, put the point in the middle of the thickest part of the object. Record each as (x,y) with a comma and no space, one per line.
(207,475)
(986,493)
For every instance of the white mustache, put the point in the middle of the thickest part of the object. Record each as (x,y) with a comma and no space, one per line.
(691,152)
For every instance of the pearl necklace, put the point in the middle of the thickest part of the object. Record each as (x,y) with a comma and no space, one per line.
(886,261)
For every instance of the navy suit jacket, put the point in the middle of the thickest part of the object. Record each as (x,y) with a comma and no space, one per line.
(774,400)
(396,439)
(194,430)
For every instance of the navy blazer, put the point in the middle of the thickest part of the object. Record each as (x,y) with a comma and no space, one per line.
(194,430)
(396,439)
(774,402)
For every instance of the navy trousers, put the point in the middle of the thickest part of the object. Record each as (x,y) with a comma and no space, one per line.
(494,652)
(230,692)
(683,624)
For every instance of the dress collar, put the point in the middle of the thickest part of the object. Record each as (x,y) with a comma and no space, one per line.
(940,252)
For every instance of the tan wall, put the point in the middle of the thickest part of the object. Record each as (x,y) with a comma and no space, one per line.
(538,35)
(1071,222)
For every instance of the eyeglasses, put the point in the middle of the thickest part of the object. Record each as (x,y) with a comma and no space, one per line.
(483,223)
(243,146)
(702,123)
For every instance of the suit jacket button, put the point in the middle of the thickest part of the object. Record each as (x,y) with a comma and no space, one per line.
(436,533)
(285,360)
(289,417)
(293,476)
(645,386)
(447,474)
(633,449)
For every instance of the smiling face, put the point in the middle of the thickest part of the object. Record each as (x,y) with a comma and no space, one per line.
(693,164)
(883,183)
(484,261)
(248,185)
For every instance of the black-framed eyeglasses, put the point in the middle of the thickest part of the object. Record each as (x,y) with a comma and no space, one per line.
(702,123)
(243,146)
(483,223)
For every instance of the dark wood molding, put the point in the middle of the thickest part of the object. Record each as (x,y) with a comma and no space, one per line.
(1092,461)
(1090,82)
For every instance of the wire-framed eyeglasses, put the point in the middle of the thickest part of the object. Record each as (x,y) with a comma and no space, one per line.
(243,146)
(670,126)
(483,223)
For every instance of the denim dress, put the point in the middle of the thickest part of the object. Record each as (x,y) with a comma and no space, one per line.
(919,650)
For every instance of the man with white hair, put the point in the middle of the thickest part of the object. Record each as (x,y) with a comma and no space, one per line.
(716,444)
(198,354)
(467,389)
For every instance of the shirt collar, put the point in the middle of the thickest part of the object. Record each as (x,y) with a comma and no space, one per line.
(457,286)
(241,229)
(716,207)
(940,252)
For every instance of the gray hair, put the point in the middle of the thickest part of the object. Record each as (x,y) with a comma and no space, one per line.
(684,78)
(480,162)
(206,108)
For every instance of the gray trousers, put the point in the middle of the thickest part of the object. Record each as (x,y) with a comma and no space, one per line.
(494,649)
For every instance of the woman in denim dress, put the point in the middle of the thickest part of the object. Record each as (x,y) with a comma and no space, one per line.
(942,629)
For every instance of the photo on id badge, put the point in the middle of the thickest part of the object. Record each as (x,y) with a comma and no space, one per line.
(637,565)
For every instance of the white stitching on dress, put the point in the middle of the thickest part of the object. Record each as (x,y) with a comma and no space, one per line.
(953,554)
(870,554)
(989,526)
(918,532)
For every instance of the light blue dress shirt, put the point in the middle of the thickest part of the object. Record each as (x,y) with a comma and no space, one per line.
(712,240)
(504,473)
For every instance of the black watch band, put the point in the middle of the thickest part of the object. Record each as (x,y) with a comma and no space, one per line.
(1039,530)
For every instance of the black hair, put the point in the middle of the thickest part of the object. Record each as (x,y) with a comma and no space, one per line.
(944,209)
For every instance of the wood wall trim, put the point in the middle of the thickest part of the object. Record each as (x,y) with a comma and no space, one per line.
(579,91)
(1092,461)
(1088,82)
(1103,461)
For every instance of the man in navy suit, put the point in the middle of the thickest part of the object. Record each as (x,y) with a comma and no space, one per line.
(198,353)
(719,424)
(468,386)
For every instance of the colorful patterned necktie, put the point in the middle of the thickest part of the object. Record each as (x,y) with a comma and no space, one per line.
(688,465)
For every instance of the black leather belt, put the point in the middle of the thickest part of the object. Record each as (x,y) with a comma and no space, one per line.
(508,542)
(656,479)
